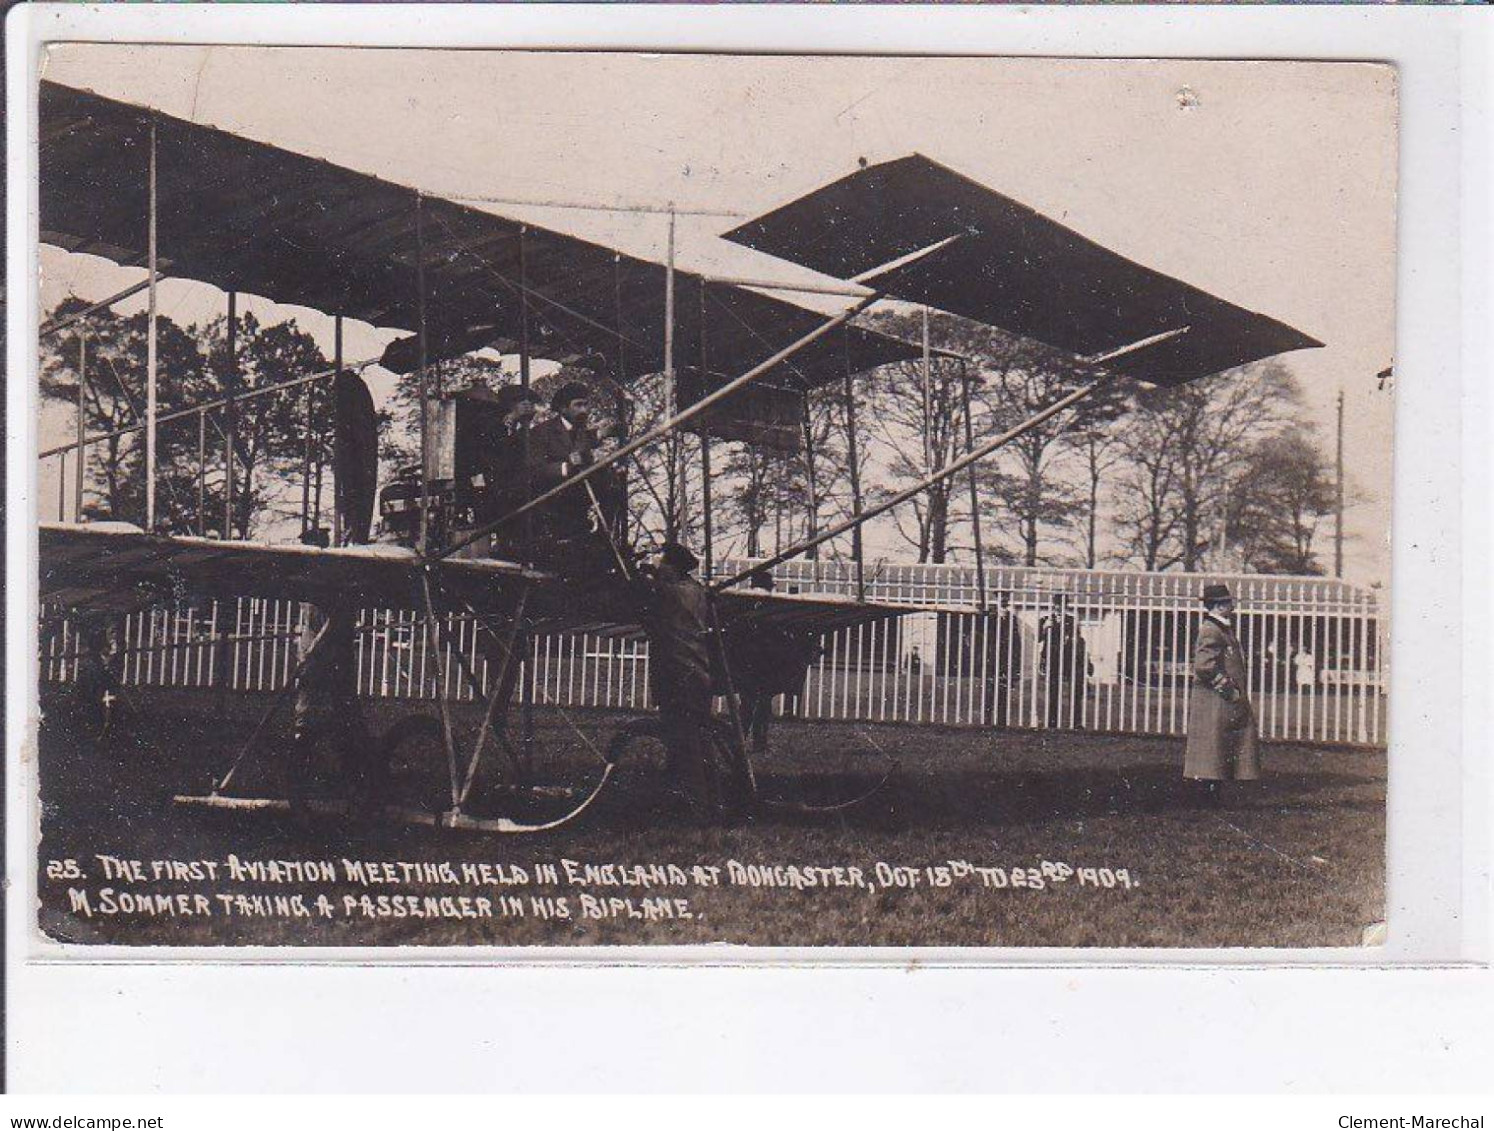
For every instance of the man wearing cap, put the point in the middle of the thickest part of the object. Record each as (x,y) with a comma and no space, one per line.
(1221,721)
(558,448)
(565,443)
(675,614)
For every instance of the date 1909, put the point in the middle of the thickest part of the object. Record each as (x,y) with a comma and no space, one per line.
(1038,877)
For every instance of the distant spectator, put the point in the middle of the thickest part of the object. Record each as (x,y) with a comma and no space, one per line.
(1002,647)
(1066,666)
(1305,669)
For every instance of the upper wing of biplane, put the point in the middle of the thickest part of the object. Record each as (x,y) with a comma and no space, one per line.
(247,216)
(989,258)
(114,568)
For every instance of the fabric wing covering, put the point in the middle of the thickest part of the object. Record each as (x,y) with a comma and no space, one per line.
(109,569)
(247,216)
(1013,268)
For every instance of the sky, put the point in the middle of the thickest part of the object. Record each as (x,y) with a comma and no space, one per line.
(1270,184)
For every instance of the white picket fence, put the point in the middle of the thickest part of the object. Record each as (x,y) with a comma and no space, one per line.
(1315,647)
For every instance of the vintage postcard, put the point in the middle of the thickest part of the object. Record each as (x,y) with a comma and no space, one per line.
(541,499)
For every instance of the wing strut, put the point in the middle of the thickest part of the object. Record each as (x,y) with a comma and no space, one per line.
(969,459)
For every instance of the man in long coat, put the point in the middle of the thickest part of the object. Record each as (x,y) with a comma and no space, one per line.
(1222,742)
(673,608)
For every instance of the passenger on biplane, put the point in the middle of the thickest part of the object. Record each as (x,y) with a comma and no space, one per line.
(574,528)
(498,479)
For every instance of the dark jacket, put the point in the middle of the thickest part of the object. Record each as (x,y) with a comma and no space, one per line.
(501,465)
(770,661)
(556,451)
(1065,656)
(1003,648)
(675,613)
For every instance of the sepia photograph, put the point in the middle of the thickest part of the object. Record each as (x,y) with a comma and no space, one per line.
(542,499)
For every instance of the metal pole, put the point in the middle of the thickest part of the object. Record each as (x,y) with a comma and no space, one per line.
(980,554)
(82,388)
(425,438)
(1338,505)
(967,460)
(62,488)
(676,469)
(854,458)
(230,417)
(624,403)
(528,533)
(316,505)
(705,452)
(928,406)
(202,473)
(150,348)
(673,422)
(705,499)
(306,469)
(316,500)
(812,511)
(523,666)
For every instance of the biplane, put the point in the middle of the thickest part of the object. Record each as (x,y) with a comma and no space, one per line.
(146,189)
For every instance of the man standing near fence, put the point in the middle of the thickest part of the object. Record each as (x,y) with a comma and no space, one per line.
(1002,661)
(1066,667)
(765,663)
(1222,742)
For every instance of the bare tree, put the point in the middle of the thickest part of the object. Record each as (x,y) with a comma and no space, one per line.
(1100,451)
(917,415)
(1283,492)
(1146,516)
(1033,481)
(1183,449)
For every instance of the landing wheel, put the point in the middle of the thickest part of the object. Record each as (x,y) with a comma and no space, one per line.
(724,786)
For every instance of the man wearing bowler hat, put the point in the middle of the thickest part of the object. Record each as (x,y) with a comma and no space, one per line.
(1221,721)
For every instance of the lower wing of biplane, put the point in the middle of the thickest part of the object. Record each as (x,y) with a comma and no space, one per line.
(100,571)
(109,569)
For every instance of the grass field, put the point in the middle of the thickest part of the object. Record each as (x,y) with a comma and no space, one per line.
(1295,860)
